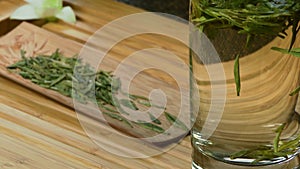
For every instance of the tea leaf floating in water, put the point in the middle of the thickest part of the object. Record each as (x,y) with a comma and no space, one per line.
(259,17)
(295,91)
(237,75)
(277,138)
(294,52)
(263,19)
(251,17)
(277,150)
(57,72)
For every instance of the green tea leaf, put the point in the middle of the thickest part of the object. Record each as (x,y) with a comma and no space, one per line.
(154,119)
(173,120)
(237,75)
(295,91)
(129,104)
(151,126)
(277,138)
(72,78)
(239,154)
(118,117)
(58,80)
(144,102)
(294,52)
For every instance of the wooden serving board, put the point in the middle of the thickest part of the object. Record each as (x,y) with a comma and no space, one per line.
(35,40)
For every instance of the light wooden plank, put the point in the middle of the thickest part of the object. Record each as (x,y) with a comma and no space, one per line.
(39,106)
(67,146)
(31,157)
(68,31)
(66,141)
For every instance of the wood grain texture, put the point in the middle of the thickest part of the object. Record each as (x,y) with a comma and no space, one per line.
(38,132)
(42,121)
(54,142)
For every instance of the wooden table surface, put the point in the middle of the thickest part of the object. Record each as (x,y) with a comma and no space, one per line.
(39,133)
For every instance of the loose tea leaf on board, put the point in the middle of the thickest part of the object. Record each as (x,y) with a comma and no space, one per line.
(151,126)
(72,78)
(118,117)
(154,119)
(173,120)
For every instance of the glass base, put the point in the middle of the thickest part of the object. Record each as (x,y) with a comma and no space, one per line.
(206,162)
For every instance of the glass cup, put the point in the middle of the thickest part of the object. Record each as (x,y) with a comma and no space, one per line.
(247,77)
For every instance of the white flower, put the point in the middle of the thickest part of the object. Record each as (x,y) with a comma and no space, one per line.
(37,9)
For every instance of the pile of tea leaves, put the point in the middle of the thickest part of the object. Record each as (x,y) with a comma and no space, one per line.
(252,17)
(71,77)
